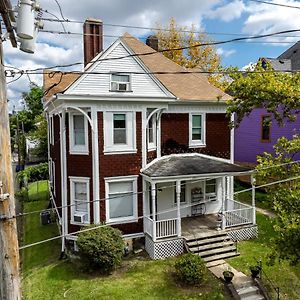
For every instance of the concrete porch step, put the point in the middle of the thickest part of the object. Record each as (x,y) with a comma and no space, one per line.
(204,241)
(253,297)
(215,263)
(247,291)
(210,246)
(211,252)
(219,256)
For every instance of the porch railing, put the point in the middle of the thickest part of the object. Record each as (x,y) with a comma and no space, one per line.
(148,226)
(238,213)
(166,228)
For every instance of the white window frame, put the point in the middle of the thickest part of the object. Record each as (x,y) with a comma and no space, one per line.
(108,132)
(202,142)
(52,175)
(78,149)
(74,180)
(152,145)
(128,83)
(51,130)
(132,179)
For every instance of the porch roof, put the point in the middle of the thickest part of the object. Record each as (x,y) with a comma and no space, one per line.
(191,165)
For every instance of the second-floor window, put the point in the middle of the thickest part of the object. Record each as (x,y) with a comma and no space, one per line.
(151,129)
(119,132)
(120,83)
(265,128)
(78,134)
(197,130)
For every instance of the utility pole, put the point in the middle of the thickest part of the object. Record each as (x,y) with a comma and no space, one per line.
(9,249)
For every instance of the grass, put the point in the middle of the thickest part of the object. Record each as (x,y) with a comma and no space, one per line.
(33,231)
(38,191)
(285,276)
(138,278)
(45,277)
(261,198)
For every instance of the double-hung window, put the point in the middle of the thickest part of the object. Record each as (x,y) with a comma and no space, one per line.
(151,130)
(210,189)
(80,197)
(51,130)
(197,130)
(120,83)
(119,132)
(121,199)
(78,134)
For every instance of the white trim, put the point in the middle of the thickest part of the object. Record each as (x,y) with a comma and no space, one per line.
(232,140)
(152,145)
(134,217)
(202,142)
(51,130)
(78,149)
(108,131)
(133,235)
(96,166)
(53,177)
(73,180)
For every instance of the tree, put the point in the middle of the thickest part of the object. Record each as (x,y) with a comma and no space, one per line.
(33,100)
(277,92)
(175,36)
(285,196)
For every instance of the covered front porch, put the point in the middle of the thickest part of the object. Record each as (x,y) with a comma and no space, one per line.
(193,193)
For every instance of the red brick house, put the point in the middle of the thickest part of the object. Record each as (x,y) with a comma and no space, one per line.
(140,143)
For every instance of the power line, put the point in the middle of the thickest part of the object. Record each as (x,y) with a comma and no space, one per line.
(179,48)
(141,217)
(163,187)
(144,38)
(275,4)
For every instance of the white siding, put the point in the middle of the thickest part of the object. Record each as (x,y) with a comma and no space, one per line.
(99,84)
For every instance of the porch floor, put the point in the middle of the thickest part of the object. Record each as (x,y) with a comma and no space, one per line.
(199,225)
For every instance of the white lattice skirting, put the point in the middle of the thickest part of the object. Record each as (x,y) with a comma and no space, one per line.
(163,249)
(245,233)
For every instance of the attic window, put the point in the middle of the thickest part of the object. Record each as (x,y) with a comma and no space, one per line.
(120,83)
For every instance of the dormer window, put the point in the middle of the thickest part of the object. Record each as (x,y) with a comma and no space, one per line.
(120,83)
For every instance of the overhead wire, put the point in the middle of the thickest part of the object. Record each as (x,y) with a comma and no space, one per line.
(138,218)
(275,4)
(147,191)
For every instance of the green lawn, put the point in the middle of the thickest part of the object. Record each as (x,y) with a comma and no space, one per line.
(45,277)
(33,231)
(286,277)
(38,190)
(261,198)
(138,278)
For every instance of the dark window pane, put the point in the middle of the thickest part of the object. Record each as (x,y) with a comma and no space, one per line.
(266,126)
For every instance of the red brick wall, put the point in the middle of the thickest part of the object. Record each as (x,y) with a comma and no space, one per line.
(80,166)
(121,165)
(175,134)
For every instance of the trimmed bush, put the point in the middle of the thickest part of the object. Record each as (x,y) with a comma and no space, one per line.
(190,269)
(101,248)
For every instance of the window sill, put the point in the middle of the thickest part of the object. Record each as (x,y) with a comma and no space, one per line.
(121,151)
(80,224)
(117,91)
(197,145)
(122,221)
(79,152)
(151,148)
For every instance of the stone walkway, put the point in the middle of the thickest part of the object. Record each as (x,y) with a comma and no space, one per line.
(265,212)
(243,284)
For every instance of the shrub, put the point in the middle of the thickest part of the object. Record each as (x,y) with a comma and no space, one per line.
(34,173)
(100,248)
(190,269)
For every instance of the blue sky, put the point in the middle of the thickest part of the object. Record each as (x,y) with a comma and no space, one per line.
(242,17)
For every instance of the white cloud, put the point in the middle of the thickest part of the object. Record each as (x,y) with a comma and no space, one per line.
(225,53)
(228,12)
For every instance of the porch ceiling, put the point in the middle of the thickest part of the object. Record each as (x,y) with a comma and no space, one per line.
(178,165)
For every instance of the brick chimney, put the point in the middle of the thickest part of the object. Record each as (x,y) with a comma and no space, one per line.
(92,39)
(152,41)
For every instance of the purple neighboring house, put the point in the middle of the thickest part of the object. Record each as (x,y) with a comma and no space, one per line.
(256,135)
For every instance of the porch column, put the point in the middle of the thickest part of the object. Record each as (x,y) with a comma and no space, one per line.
(253,181)
(153,196)
(223,187)
(178,191)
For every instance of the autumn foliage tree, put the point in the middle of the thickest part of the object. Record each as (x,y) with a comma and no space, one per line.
(173,36)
